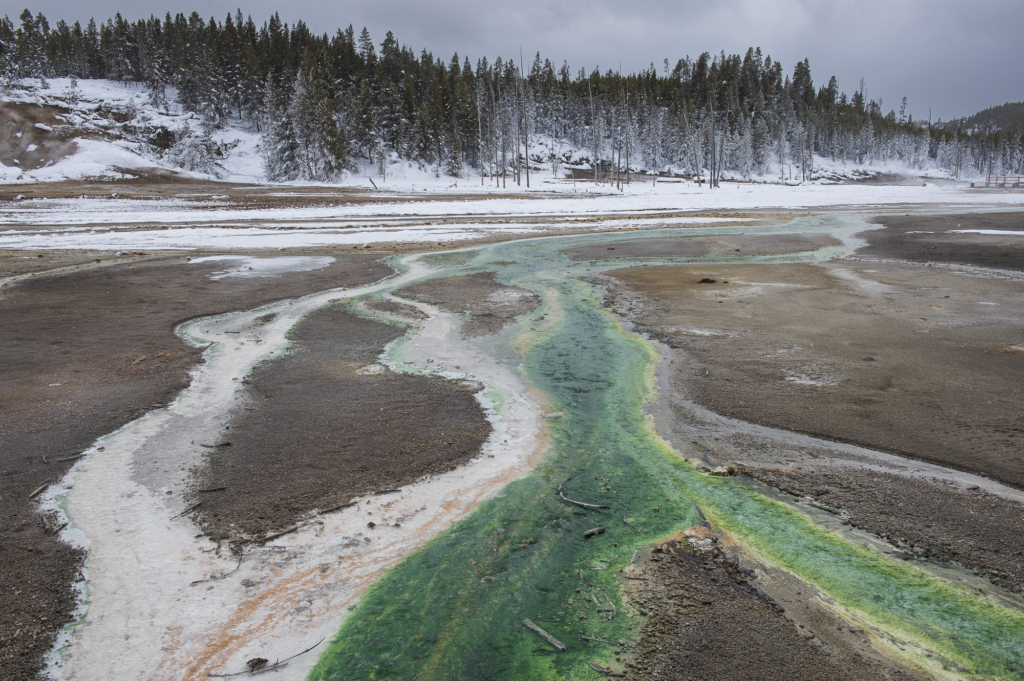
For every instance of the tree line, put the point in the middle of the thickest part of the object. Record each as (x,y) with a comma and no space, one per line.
(327,103)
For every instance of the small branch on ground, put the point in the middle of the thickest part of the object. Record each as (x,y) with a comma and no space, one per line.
(217,578)
(332,509)
(607,672)
(190,508)
(578,503)
(259,670)
(290,530)
(551,639)
(39,489)
(69,458)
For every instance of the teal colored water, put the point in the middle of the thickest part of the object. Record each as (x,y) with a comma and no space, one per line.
(454,609)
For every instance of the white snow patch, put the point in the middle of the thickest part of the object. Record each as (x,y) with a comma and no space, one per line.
(246,266)
(993,232)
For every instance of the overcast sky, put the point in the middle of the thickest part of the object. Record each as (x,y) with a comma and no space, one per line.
(957,57)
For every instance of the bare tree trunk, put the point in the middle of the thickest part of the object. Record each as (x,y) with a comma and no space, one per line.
(693,144)
(721,155)
(593,129)
(629,129)
(494,138)
(615,163)
(479,137)
(504,160)
(526,118)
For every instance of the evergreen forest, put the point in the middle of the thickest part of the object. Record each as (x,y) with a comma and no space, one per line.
(329,103)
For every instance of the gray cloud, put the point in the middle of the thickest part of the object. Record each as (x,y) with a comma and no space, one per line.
(956,57)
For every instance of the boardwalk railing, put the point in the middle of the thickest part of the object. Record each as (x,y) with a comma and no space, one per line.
(1004,181)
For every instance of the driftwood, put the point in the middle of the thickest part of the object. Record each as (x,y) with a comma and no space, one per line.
(578,503)
(290,530)
(630,526)
(212,489)
(607,672)
(551,639)
(40,489)
(69,458)
(190,508)
(268,668)
(332,509)
(594,532)
(217,578)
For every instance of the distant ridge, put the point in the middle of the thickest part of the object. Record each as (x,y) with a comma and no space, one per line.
(1003,117)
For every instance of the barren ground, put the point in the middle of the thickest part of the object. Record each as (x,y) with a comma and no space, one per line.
(706,621)
(85,353)
(931,238)
(487,304)
(922,361)
(325,424)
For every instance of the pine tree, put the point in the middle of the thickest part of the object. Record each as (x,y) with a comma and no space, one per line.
(323,148)
(280,146)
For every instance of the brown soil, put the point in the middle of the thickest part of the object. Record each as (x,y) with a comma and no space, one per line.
(923,519)
(897,357)
(745,244)
(159,183)
(19,263)
(321,429)
(929,238)
(487,304)
(708,622)
(84,353)
(902,358)
(395,308)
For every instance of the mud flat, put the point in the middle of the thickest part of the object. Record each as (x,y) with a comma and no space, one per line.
(949,239)
(729,245)
(85,352)
(808,378)
(326,424)
(705,620)
(908,359)
(488,305)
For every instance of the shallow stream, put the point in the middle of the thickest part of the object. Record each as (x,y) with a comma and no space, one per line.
(455,609)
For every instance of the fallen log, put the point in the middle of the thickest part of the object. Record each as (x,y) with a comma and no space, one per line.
(551,639)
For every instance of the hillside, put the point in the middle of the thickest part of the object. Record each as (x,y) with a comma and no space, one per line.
(1004,118)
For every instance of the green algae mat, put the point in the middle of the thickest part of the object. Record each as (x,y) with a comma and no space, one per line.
(456,608)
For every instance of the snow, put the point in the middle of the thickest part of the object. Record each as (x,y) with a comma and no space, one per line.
(117,223)
(105,157)
(995,232)
(245,266)
(93,159)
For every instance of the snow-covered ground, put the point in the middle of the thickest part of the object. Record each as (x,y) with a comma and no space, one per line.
(112,224)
